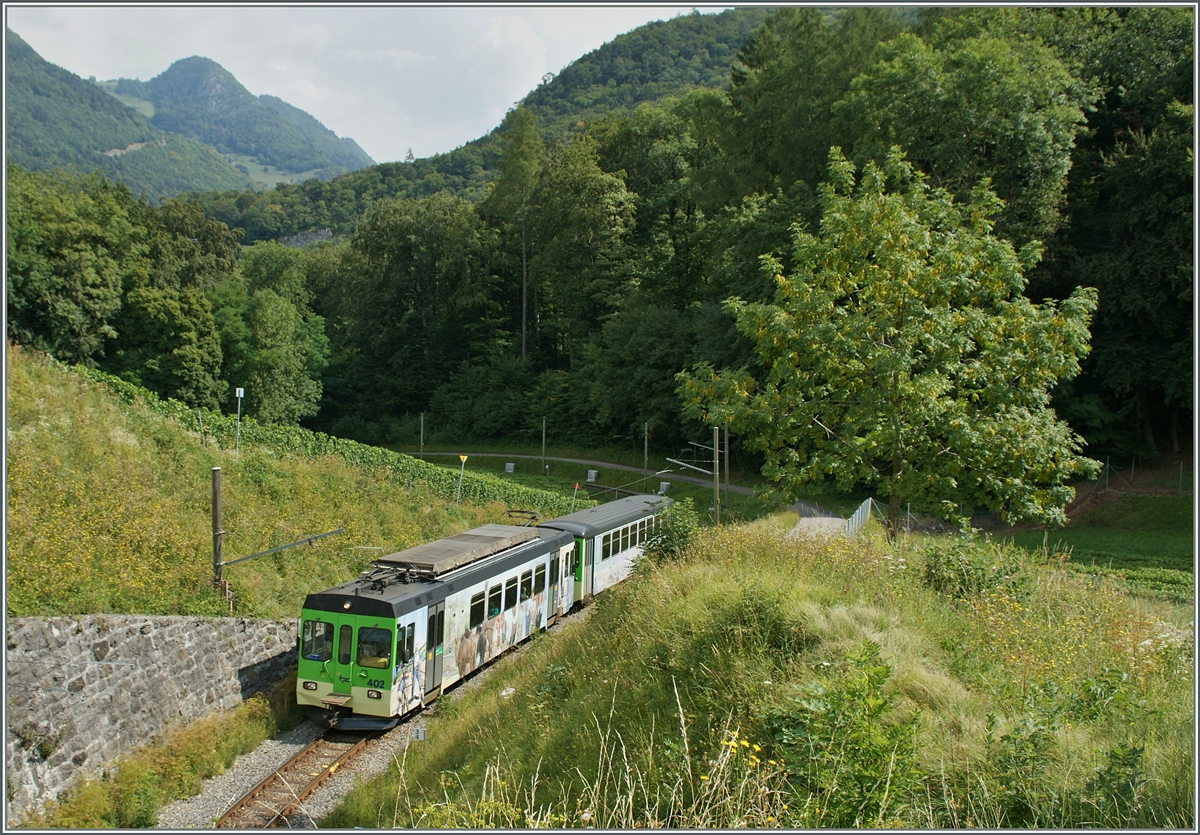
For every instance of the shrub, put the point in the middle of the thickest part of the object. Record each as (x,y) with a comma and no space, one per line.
(848,762)
(675,531)
(967,568)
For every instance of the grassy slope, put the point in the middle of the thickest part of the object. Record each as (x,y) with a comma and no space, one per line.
(109,506)
(635,716)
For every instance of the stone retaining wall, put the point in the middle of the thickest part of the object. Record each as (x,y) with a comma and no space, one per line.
(80,691)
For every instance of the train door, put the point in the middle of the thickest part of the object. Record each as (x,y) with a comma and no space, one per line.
(435,637)
(341,665)
(552,583)
(580,571)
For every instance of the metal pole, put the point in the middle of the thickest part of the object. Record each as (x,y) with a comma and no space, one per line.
(457,494)
(237,437)
(726,463)
(216,523)
(646,452)
(716,476)
(422,452)
(543,445)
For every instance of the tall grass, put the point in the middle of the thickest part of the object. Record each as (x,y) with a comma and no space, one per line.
(763,681)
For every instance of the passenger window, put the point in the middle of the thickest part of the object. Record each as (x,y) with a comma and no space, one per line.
(409,647)
(510,594)
(317,641)
(554,567)
(477,605)
(625,539)
(539,579)
(494,601)
(641,531)
(526,586)
(345,634)
(374,648)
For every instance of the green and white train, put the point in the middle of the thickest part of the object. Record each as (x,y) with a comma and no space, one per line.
(419,621)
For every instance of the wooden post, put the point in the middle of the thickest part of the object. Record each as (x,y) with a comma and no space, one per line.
(216,524)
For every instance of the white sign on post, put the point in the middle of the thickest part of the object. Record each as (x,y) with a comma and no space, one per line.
(240,393)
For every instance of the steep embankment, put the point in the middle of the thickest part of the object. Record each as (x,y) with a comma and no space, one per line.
(109,501)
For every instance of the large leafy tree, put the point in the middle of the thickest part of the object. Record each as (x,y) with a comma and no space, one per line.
(511,196)
(277,344)
(167,339)
(582,219)
(901,354)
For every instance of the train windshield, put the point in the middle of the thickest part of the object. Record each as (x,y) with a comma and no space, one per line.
(316,642)
(374,647)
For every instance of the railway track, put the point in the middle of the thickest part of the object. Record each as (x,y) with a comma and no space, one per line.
(280,794)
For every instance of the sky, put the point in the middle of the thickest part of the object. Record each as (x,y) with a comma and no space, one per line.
(392,77)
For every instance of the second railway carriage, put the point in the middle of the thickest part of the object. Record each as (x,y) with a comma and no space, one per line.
(608,538)
(418,621)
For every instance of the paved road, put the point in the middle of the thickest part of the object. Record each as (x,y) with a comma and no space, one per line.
(802,508)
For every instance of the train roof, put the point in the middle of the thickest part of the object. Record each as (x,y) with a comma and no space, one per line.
(450,552)
(609,515)
(392,589)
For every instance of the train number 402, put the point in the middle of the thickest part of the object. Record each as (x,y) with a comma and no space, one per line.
(375,682)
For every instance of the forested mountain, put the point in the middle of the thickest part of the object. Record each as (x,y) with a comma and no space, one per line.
(660,59)
(54,119)
(1038,154)
(197,97)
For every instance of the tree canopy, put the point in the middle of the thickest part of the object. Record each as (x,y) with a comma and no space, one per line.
(900,354)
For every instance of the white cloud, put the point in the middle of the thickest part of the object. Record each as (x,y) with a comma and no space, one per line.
(393,78)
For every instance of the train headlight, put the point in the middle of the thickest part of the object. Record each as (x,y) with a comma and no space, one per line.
(374,694)
(309,685)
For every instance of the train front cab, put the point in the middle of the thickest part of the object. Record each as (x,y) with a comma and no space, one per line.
(361,670)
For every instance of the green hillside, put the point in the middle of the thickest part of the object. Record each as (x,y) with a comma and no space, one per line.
(661,59)
(109,501)
(340,151)
(54,119)
(197,97)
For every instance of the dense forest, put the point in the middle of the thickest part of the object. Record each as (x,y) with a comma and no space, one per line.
(572,274)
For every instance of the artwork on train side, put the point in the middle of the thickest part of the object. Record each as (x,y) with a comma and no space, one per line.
(475,647)
(409,679)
